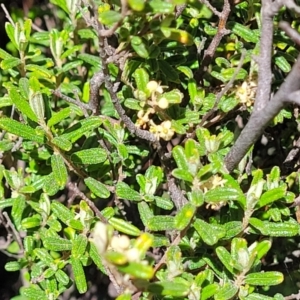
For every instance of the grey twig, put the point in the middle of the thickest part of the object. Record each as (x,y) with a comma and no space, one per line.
(222,31)
(264,60)
(83,106)
(10,227)
(7,15)
(111,31)
(266,109)
(291,32)
(293,297)
(90,203)
(224,90)
(95,84)
(260,118)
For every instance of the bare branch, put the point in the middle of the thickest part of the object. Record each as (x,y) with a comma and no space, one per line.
(293,297)
(224,90)
(10,227)
(212,8)
(260,118)
(292,33)
(111,31)
(71,186)
(264,60)
(83,106)
(222,31)
(7,15)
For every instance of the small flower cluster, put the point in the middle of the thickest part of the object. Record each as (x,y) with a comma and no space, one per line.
(156,103)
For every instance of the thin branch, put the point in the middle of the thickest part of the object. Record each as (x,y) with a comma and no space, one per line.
(95,84)
(212,8)
(83,106)
(90,203)
(7,15)
(292,33)
(293,297)
(222,31)
(264,60)
(260,118)
(111,31)
(10,227)
(224,90)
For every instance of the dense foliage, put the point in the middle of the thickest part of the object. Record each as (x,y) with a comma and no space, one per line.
(117,120)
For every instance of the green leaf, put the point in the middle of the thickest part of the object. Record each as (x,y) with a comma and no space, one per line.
(4,54)
(141,79)
(123,226)
(22,105)
(169,72)
(34,292)
(90,156)
(183,175)
(69,66)
(31,222)
(225,258)
(59,169)
(227,291)
(79,275)
(145,212)
(44,256)
(208,291)
(40,71)
(79,245)
(284,229)
(137,270)
(220,194)
(186,71)
(96,187)
(262,248)
(264,278)
(207,232)
(271,196)
(137,5)
(12,266)
(57,244)
(62,277)
(10,63)
(180,158)
(10,31)
(59,116)
(184,216)
(7,202)
(164,203)
(169,288)
(109,17)
(50,185)
(256,296)
(232,229)
(243,32)
(90,59)
(62,143)
(17,210)
(124,191)
(133,104)
(95,256)
(139,47)
(61,212)
(196,197)
(81,128)
(21,130)
(161,223)
(36,102)
(282,64)
(178,35)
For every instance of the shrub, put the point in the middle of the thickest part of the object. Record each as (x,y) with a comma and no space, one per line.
(123,147)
